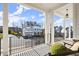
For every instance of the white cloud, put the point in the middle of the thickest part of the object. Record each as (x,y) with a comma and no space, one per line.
(42,19)
(13,17)
(58,22)
(69,22)
(33,17)
(1,22)
(42,22)
(41,15)
(16,19)
(19,10)
(1,13)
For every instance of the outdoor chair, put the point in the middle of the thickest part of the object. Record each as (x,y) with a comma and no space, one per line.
(68,43)
(73,45)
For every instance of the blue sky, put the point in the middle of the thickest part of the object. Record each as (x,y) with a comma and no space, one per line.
(58,21)
(18,13)
(24,13)
(1,7)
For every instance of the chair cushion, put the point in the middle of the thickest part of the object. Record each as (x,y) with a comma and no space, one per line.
(71,42)
(68,43)
(75,47)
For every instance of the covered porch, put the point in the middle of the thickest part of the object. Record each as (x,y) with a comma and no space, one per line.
(49,10)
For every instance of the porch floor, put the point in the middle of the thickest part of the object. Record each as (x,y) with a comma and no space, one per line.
(40,50)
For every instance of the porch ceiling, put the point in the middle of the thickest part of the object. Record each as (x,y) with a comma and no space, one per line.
(58,8)
(62,10)
(46,6)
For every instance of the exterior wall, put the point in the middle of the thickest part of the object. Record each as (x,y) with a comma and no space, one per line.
(32,30)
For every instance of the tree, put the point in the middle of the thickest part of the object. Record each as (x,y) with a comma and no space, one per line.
(55,31)
(67,32)
(22,23)
(60,29)
(71,32)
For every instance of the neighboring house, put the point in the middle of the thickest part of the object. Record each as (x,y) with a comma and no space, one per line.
(32,29)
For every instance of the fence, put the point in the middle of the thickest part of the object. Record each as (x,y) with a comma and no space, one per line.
(18,44)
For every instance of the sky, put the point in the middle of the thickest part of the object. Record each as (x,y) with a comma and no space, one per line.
(58,21)
(19,13)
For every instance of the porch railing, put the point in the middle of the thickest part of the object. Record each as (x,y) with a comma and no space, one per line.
(20,44)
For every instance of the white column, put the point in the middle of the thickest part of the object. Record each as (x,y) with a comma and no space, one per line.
(74,17)
(47,28)
(75,20)
(52,27)
(49,36)
(5,30)
(64,28)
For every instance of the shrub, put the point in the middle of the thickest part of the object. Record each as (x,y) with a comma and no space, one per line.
(16,33)
(58,49)
(13,33)
(9,31)
(1,36)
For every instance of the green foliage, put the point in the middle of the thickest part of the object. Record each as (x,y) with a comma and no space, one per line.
(14,33)
(9,31)
(57,49)
(1,36)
